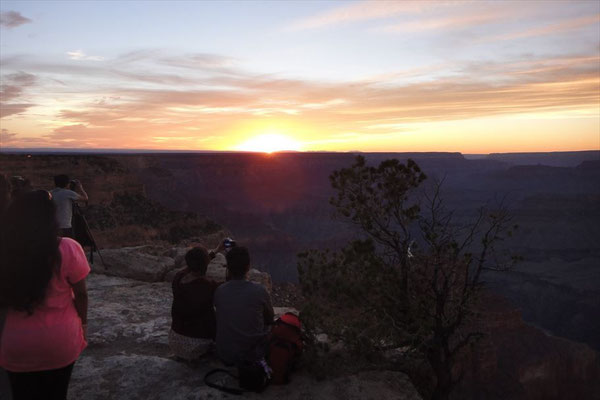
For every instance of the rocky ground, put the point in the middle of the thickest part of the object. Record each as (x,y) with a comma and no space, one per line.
(128,355)
(287,295)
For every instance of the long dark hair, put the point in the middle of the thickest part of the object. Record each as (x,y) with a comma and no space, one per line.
(28,250)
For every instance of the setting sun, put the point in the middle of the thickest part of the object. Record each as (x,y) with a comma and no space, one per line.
(270,143)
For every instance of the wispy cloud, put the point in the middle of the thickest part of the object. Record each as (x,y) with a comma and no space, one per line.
(445,23)
(12,19)
(80,55)
(448,16)
(559,27)
(362,11)
(6,138)
(123,105)
(12,88)
(200,60)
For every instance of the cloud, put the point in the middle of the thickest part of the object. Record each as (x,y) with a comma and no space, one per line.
(124,105)
(6,138)
(200,60)
(362,11)
(447,16)
(13,108)
(80,55)
(12,88)
(446,23)
(15,140)
(559,27)
(524,86)
(12,19)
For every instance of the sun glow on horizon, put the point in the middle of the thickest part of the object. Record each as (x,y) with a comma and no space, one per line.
(270,143)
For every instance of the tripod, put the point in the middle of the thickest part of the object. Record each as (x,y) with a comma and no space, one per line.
(83,234)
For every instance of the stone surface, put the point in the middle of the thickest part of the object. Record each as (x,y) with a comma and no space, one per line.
(128,355)
(140,262)
(279,311)
(263,278)
(157,263)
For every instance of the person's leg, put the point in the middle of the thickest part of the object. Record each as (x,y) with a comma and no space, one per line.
(25,385)
(5,390)
(51,384)
(57,381)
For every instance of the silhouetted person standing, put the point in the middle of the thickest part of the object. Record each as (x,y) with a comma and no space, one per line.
(64,198)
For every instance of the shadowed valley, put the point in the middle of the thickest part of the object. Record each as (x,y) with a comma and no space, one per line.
(278,205)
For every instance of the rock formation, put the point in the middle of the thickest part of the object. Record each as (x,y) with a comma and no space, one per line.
(153,263)
(278,207)
(517,361)
(128,355)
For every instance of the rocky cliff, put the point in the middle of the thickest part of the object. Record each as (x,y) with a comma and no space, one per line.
(130,310)
(128,355)
(154,204)
(518,361)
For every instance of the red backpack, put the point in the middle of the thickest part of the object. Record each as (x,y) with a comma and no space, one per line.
(285,347)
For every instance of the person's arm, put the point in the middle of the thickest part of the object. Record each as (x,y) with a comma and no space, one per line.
(213,253)
(82,194)
(81,303)
(268,313)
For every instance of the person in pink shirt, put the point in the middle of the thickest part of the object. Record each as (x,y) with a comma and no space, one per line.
(44,298)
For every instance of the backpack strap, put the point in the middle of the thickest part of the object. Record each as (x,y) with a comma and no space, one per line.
(225,389)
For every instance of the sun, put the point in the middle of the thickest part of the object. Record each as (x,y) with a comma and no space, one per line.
(270,143)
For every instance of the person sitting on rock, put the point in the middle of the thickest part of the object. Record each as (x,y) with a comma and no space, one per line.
(193,326)
(244,313)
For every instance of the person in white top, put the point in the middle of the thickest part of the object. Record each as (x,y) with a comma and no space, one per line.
(64,198)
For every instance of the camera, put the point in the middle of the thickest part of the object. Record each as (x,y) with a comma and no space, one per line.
(73,184)
(17,181)
(228,243)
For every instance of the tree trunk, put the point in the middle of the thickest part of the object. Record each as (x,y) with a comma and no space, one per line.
(442,387)
(442,367)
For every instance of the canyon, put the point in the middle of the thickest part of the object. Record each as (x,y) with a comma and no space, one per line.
(542,328)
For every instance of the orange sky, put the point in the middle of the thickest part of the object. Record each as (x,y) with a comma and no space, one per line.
(383,76)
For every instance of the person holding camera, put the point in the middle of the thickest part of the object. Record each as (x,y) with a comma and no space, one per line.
(193,323)
(64,197)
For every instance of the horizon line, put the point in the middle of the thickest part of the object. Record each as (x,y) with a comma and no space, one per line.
(9,150)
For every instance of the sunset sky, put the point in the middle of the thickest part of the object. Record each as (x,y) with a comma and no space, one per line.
(474,77)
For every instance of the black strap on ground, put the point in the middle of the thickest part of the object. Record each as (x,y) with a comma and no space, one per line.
(225,389)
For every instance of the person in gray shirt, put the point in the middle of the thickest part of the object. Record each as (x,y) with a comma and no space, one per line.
(244,313)
(64,198)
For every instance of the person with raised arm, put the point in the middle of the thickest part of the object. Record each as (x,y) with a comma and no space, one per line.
(64,197)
